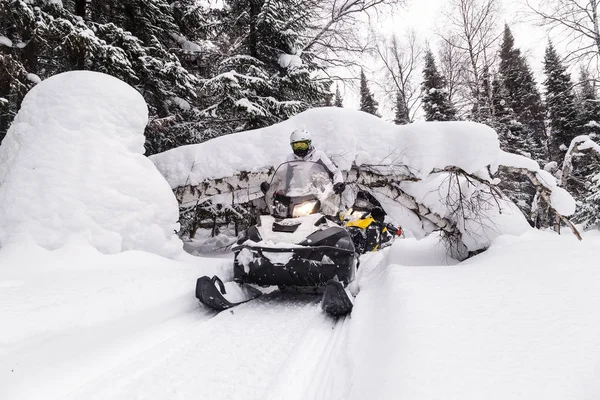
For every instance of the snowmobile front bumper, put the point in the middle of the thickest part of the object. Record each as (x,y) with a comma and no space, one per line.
(296,266)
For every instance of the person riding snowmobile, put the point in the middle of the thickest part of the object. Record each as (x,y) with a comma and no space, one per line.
(303,150)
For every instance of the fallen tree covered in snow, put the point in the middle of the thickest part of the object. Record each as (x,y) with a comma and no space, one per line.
(435,176)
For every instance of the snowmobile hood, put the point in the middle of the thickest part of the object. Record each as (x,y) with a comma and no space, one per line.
(304,227)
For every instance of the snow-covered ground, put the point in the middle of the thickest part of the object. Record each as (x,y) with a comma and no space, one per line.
(97,295)
(517,322)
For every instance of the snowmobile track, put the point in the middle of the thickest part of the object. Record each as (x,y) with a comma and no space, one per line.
(238,354)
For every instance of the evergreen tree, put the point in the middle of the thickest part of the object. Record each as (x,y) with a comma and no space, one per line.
(560,103)
(523,98)
(435,101)
(261,79)
(511,133)
(582,182)
(588,212)
(513,138)
(588,104)
(151,21)
(368,103)
(57,39)
(483,109)
(339,101)
(401,116)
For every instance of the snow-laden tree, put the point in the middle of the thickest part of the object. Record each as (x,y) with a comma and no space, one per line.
(368,103)
(588,104)
(49,39)
(560,104)
(429,176)
(580,175)
(581,165)
(523,98)
(262,77)
(435,100)
(151,21)
(513,138)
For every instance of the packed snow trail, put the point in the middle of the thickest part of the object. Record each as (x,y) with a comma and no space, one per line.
(247,353)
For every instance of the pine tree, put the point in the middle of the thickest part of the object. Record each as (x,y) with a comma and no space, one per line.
(339,101)
(588,212)
(560,103)
(511,133)
(435,101)
(151,21)
(583,180)
(368,103)
(513,138)
(588,104)
(523,99)
(401,115)
(262,79)
(483,109)
(58,39)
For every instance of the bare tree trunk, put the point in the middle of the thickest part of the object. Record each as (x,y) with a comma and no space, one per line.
(473,31)
(401,61)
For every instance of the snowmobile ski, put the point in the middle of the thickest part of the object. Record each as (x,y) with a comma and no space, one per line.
(211,291)
(335,300)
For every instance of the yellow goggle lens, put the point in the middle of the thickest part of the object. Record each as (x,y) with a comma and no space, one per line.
(300,145)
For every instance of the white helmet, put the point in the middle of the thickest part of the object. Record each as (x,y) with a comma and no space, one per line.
(300,135)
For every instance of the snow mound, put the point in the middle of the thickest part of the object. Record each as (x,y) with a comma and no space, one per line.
(354,138)
(519,321)
(347,136)
(72,165)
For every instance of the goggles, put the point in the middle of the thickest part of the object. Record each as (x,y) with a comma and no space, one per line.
(300,145)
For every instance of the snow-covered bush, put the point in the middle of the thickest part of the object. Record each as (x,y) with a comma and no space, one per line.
(580,174)
(430,176)
(72,165)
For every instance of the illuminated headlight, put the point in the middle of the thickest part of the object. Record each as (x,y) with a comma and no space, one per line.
(304,209)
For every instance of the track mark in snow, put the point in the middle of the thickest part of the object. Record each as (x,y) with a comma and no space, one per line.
(318,368)
(238,354)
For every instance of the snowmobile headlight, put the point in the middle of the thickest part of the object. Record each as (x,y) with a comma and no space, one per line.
(304,209)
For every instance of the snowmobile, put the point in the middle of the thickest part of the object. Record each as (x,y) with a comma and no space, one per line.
(366,225)
(298,245)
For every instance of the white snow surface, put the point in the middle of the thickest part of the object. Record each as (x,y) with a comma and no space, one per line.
(34,78)
(519,321)
(344,135)
(289,61)
(72,168)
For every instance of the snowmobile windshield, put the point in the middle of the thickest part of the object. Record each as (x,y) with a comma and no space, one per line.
(297,182)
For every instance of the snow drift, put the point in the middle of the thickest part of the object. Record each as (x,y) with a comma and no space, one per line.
(519,321)
(72,164)
(349,137)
